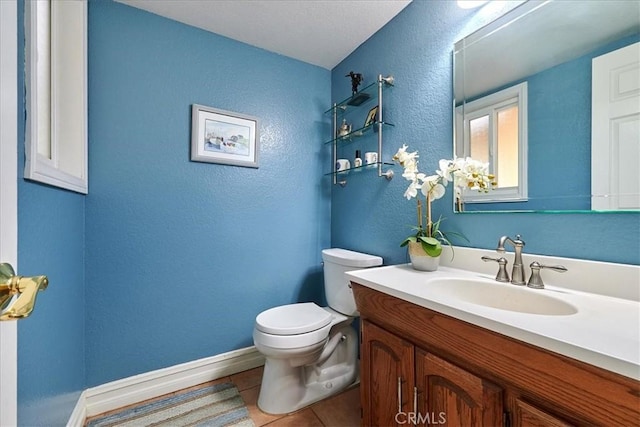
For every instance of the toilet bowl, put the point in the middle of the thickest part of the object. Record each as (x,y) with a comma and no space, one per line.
(311,352)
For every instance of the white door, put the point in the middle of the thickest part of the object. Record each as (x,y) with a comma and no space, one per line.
(615,130)
(8,200)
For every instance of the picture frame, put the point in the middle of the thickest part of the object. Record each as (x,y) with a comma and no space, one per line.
(371,116)
(225,137)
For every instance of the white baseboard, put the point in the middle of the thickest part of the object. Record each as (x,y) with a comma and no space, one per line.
(79,414)
(138,388)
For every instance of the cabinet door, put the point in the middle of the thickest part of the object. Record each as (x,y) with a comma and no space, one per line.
(527,415)
(449,395)
(387,377)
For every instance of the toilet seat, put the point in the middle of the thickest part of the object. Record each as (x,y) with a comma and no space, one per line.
(291,342)
(295,326)
(293,319)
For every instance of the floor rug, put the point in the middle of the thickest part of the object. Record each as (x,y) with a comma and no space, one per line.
(213,406)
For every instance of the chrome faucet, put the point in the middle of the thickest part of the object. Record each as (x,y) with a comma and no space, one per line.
(517,273)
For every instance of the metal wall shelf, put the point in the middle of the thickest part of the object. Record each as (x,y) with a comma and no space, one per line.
(350,137)
(371,92)
(371,166)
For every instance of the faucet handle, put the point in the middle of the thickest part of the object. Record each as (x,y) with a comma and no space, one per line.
(502,275)
(535,280)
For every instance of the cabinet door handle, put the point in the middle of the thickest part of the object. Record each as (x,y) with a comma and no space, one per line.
(415,402)
(399,394)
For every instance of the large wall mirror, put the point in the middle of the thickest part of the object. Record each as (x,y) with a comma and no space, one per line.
(549,95)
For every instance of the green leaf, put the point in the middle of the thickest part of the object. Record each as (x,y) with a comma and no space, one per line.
(432,250)
(431,246)
(406,241)
(431,241)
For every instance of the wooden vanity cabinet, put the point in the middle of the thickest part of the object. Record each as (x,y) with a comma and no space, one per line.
(388,371)
(420,367)
(406,385)
(526,415)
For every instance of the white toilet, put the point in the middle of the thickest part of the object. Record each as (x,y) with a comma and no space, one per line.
(311,352)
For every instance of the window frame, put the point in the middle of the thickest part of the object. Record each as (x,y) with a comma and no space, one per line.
(490,105)
(56,90)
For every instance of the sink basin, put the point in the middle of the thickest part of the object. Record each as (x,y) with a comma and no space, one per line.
(501,296)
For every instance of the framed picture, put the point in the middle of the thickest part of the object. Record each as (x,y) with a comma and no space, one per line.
(371,117)
(219,136)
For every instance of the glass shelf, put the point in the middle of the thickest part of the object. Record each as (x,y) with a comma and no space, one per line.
(360,101)
(371,166)
(346,139)
(370,90)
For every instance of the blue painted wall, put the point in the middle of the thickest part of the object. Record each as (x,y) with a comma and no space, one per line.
(370,214)
(181,255)
(51,355)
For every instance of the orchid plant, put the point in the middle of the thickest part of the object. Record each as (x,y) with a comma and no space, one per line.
(462,173)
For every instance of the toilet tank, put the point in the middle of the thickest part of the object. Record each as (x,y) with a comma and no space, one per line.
(336,286)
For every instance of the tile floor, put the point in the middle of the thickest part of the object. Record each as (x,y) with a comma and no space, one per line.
(342,410)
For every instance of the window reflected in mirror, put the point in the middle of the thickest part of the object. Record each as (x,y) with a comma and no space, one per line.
(507,147)
(494,132)
(504,165)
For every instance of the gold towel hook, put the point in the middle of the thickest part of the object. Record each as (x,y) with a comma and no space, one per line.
(18,293)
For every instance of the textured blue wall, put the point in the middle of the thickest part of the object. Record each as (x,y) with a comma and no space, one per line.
(370,214)
(51,371)
(181,256)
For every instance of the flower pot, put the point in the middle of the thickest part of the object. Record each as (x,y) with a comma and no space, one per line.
(420,260)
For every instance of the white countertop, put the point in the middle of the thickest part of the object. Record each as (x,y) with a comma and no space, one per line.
(604,332)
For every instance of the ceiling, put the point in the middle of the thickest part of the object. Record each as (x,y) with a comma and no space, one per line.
(318,32)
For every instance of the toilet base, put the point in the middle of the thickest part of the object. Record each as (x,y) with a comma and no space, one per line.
(286,389)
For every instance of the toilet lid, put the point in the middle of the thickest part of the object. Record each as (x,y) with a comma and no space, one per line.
(292,319)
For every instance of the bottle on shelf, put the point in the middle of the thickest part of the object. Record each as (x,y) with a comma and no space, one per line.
(357,162)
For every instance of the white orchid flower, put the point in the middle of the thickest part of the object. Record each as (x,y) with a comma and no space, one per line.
(410,170)
(472,175)
(409,175)
(432,187)
(431,179)
(405,158)
(412,190)
(446,168)
(401,150)
(437,191)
